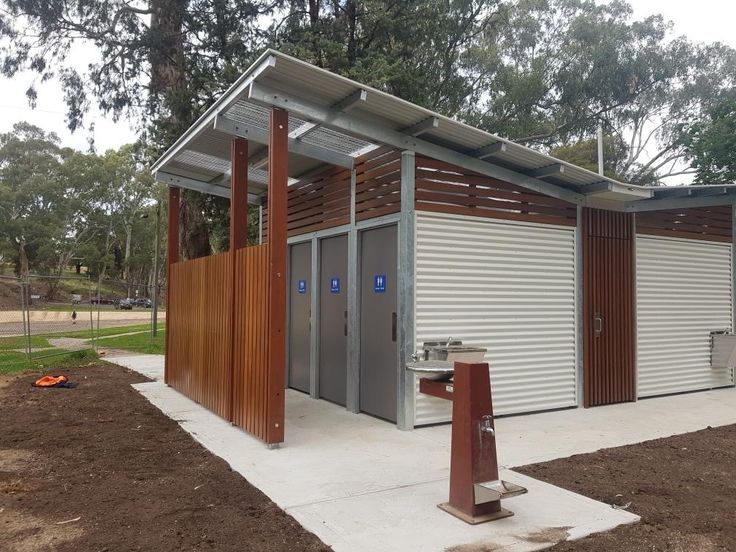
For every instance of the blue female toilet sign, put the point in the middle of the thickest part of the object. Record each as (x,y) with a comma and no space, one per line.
(301,286)
(334,285)
(379,283)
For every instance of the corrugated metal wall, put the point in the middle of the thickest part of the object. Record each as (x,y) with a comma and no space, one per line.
(505,286)
(683,293)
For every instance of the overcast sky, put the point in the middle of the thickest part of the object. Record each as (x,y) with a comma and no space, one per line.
(705,20)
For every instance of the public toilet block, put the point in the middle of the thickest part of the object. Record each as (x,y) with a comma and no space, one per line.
(385,226)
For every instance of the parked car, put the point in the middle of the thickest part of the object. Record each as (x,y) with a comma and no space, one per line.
(125,304)
(103,301)
(142,302)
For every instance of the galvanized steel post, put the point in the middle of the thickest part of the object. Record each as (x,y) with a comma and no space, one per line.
(314,322)
(352,402)
(407,259)
(579,298)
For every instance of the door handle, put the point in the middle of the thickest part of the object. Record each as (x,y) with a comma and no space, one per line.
(393,327)
(597,325)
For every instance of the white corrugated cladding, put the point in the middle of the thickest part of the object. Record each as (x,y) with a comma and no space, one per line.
(509,287)
(683,292)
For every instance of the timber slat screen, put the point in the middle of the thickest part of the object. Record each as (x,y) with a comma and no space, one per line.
(316,203)
(250,362)
(198,344)
(445,188)
(378,184)
(698,223)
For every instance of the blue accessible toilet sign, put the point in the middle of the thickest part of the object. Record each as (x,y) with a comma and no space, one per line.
(379,283)
(301,286)
(334,285)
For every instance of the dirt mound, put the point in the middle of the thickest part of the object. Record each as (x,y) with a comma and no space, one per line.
(99,468)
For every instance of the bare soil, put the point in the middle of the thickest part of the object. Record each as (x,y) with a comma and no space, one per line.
(683,487)
(98,468)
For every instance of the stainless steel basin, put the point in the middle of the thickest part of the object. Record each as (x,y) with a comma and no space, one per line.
(463,353)
(432,369)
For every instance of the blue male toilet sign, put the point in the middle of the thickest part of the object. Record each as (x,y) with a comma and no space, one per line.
(301,286)
(334,285)
(379,283)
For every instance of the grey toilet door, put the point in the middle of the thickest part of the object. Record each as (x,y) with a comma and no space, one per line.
(378,322)
(300,284)
(333,314)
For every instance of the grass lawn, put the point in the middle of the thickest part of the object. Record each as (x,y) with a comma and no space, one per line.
(85,334)
(141,342)
(11,362)
(20,342)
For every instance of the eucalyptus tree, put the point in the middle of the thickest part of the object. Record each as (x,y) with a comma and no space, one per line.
(552,71)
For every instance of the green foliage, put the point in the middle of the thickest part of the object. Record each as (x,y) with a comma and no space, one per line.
(57,205)
(140,342)
(615,155)
(11,362)
(543,72)
(414,49)
(21,342)
(711,143)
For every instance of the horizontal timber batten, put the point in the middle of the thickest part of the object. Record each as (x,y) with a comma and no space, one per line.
(445,188)
(697,223)
(198,340)
(315,203)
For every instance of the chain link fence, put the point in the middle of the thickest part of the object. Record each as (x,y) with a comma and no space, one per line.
(46,316)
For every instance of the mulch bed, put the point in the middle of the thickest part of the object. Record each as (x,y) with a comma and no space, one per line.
(683,487)
(98,468)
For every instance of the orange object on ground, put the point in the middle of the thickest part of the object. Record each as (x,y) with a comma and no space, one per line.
(50,381)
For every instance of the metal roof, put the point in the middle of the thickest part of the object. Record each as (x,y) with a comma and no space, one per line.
(333,120)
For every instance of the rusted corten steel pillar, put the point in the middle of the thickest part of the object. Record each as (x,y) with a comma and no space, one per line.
(172,256)
(238,240)
(278,154)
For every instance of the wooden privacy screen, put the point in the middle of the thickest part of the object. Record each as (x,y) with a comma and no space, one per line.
(445,188)
(251,344)
(198,337)
(315,203)
(378,184)
(608,307)
(698,223)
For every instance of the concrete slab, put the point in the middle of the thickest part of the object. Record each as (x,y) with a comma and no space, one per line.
(361,485)
(151,366)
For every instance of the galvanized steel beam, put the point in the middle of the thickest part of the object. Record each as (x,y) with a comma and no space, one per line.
(422,127)
(380,134)
(199,186)
(259,135)
(490,150)
(679,203)
(557,169)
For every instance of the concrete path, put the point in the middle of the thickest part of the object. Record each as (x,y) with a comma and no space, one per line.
(363,486)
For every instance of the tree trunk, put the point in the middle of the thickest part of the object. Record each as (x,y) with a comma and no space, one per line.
(168,79)
(23,258)
(126,265)
(195,237)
